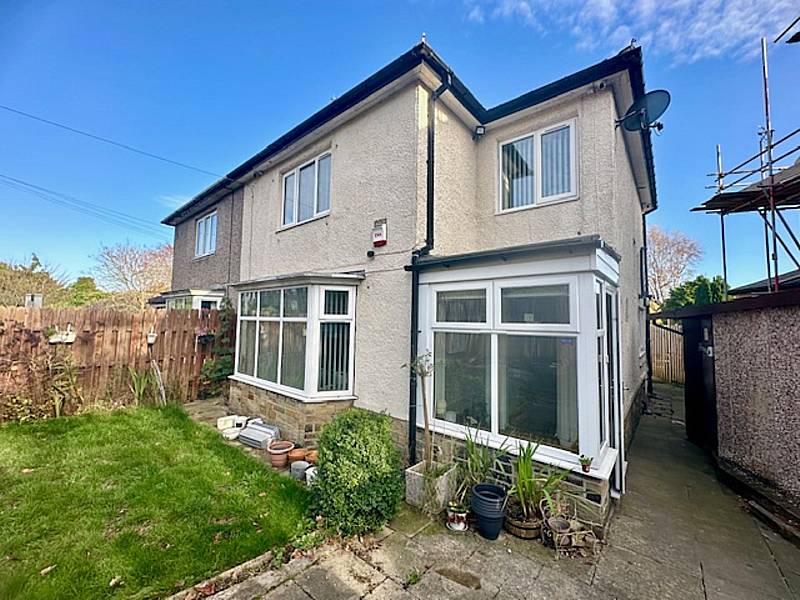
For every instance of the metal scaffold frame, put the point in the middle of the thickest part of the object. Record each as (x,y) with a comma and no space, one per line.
(765,188)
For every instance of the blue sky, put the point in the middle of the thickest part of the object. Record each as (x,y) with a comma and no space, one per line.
(210,84)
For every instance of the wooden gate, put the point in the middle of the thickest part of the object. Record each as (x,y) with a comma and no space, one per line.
(666,350)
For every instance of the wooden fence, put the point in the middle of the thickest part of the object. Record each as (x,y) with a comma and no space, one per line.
(107,342)
(666,350)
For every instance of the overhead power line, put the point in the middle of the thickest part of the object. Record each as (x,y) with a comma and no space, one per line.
(96,211)
(106,140)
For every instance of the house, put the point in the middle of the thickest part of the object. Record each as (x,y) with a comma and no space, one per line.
(405,217)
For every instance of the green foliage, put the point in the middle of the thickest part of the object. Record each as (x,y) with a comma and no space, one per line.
(144,494)
(359,483)
(413,578)
(84,292)
(17,279)
(215,371)
(531,487)
(479,460)
(142,386)
(697,291)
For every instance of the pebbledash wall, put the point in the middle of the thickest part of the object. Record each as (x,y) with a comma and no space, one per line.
(758,394)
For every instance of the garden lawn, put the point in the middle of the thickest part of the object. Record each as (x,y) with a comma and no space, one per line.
(144,495)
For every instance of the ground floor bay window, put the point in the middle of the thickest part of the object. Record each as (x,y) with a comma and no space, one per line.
(297,340)
(526,352)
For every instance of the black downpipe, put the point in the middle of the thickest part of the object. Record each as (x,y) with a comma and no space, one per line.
(429,215)
(646,287)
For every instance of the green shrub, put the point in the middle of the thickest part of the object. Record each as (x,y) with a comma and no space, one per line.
(360,482)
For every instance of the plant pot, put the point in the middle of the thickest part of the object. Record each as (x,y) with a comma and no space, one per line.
(457,518)
(296,454)
(431,495)
(279,453)
(298,469)
(527,529)
(489,506)
(586,468)
(312,456)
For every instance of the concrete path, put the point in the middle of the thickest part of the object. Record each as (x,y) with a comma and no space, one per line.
(678,534)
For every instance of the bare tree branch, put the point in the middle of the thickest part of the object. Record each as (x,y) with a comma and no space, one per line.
(672,258)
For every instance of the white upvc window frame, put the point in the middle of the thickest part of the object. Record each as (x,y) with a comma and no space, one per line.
(314,317)
(582,328)
(202,247)
(538,197)
(296,185)
(540,281)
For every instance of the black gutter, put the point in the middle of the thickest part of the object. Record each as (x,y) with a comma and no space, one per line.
(557,247)
(415,257)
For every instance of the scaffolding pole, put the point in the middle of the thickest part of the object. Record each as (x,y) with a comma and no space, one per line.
(768,132)
(720,186)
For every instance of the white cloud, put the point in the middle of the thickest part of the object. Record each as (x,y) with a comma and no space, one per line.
(476,14)
(685,30)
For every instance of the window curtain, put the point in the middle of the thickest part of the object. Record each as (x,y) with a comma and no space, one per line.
(567,393)
(518,170)
(555,162)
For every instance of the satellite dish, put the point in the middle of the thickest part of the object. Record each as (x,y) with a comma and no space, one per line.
(643,113)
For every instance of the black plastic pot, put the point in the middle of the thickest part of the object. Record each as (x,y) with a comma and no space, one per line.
(489,508)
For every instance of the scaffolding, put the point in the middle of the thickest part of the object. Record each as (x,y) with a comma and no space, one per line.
(761,185)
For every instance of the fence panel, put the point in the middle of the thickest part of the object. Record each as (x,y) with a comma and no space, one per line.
(666,348)
(108,342)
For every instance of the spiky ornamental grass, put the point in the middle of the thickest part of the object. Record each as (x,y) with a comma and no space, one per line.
(144,498)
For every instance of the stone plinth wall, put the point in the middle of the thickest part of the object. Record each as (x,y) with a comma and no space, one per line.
(756,358)
(299,422)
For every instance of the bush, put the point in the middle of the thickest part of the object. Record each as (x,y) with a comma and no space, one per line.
(360,483)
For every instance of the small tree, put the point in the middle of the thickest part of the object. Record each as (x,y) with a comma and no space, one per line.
(134,273)
(422,367)
(697,291)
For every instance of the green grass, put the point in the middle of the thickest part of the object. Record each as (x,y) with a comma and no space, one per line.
(145,495)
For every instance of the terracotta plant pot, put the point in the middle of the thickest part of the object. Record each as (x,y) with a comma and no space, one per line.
(297,454)
(279,453)
(312,456)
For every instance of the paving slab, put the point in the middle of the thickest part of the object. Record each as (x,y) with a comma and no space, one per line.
(342,576)
(389,590)
(409,521)
(631,575)
(452,583)
(288,591)
(398,556)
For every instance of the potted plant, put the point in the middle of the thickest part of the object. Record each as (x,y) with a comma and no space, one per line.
(204,335)
(524,516)
(429,484)
(279,453)
(457,516)
(486,500)
(586,463)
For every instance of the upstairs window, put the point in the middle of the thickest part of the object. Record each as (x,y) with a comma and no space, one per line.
(307,191)
(205,241)
(538,168)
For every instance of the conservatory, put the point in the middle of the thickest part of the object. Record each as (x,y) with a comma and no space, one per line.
(525,348)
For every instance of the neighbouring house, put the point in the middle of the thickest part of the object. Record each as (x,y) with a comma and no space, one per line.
(207,249)
(404,218)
